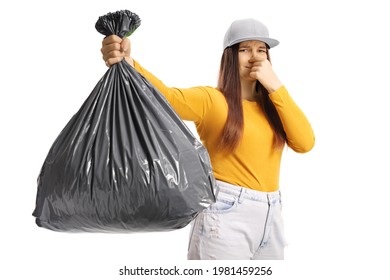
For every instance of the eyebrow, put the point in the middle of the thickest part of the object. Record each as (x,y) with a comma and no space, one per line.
(247,46)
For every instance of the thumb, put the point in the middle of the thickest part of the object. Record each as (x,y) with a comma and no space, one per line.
(125,45)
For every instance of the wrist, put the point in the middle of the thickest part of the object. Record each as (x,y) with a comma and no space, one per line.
(273,87)
(129,60)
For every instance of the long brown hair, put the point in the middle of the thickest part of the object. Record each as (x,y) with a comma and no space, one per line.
(229,84)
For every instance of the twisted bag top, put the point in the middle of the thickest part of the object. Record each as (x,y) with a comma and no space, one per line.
(125,162)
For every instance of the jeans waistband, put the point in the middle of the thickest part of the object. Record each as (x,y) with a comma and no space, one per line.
(245,193)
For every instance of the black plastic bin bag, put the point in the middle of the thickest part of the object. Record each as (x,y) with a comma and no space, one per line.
(125,162)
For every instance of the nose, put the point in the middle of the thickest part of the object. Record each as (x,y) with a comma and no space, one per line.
(254,57)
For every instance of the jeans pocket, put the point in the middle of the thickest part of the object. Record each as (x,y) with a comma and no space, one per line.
(224,203)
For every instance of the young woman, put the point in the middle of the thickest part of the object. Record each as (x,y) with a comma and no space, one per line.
(244,123)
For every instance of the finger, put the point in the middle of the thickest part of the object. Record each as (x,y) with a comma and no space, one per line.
(257,63)
(255,69)
(109,48)
(125,45)
(113,61)
(253,75)
(111,39)
(255,72)
(257,59)
(113,54)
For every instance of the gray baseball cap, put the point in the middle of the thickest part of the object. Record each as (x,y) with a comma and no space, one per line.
(245,30)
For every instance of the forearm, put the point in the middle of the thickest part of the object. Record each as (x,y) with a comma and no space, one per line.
(299,133)
(152,79)
(191,103)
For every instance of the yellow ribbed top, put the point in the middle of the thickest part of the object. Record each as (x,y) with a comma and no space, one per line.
(255,164)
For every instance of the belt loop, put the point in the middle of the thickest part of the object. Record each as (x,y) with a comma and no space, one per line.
(269,200)
(241,195)
(280,197)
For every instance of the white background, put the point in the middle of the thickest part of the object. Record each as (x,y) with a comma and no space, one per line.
(333,58)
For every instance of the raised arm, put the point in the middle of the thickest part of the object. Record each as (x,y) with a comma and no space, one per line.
(191,104)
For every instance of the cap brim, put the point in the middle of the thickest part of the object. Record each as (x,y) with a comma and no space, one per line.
(269,41)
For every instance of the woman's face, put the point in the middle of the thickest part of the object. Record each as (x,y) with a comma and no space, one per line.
(248,53)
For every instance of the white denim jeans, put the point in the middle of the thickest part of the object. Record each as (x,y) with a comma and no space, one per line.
(243,224)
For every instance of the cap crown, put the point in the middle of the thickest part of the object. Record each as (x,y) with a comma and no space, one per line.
(246,30)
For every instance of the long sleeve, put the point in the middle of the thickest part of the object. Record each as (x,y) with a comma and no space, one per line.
(300,136)
(192,104)
(255,163)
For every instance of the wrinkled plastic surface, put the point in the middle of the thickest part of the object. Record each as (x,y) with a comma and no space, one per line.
(125,162)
